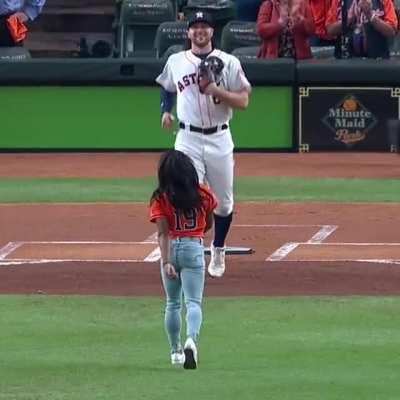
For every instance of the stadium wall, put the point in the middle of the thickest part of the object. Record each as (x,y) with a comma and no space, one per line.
(113,104)
(125,118)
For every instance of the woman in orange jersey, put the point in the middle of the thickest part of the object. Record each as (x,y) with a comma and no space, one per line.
(183,212)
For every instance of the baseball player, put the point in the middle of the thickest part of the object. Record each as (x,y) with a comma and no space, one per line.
(208,83)
(183,211)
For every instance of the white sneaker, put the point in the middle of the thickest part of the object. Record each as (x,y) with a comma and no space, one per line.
(190,351)
(177,358)
(216,268)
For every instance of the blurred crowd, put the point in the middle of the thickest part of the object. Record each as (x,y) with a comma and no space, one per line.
(14,15)
(287,28)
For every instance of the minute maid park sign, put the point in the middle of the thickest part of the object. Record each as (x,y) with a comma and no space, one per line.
(349,120)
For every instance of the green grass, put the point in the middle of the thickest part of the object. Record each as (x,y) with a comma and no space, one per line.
(104,348)
(247,189)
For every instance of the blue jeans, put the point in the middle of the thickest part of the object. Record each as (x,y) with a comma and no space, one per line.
(187,256)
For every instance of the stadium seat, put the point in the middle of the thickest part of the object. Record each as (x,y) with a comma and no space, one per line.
(138,22)
(320,52)
(14,54)
(176,48)
(248,52)
(169,34)
(239,34)
(219,9)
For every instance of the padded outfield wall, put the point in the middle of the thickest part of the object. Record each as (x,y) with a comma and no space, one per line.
(112,104)
(126,118)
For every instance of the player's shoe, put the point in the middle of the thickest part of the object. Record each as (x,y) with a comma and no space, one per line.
(177,357)
(190,351)
(216,268)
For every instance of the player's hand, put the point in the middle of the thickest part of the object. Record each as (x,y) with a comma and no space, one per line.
(212,89)
(21,16)
(169,270)
(167,121)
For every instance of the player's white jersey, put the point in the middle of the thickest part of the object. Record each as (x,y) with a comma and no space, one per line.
(180,76)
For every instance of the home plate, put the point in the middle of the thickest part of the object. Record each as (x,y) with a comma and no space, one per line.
(232,250)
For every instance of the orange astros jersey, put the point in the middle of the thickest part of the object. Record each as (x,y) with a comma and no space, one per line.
(190,224)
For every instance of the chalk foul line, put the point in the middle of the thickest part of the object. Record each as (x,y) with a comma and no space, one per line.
(9,248)
(323,233)
(287,248)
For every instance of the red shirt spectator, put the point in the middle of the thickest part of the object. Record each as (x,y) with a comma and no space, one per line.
(388,8)
(280,24)
(371,22)
(320,9)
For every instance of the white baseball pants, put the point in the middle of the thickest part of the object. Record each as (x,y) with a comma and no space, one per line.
(212,156)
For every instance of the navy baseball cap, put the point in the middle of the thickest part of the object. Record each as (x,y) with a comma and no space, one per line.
(200,16)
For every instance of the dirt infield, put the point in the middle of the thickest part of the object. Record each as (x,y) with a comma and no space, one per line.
(131,165)
(111,249)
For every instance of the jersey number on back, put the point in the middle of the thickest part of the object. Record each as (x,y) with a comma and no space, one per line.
(186,221)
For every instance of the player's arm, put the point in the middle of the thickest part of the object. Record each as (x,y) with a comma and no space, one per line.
(168,100)
(168,89)
(238,100)
(163,242)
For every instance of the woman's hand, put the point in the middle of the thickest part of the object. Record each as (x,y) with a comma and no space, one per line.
(169,270)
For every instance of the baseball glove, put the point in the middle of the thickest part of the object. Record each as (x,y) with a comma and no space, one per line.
(210,70)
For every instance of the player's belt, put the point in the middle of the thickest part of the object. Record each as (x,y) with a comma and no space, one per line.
(204,131)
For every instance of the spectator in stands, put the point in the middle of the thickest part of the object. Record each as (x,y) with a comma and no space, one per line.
(247,10)
(319,10)
(180,5)
(285,26)
(23,11)
(371,24)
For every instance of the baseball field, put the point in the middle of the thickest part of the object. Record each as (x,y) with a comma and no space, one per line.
(313,313)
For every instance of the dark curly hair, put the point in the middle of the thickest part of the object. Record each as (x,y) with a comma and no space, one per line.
(178,180)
